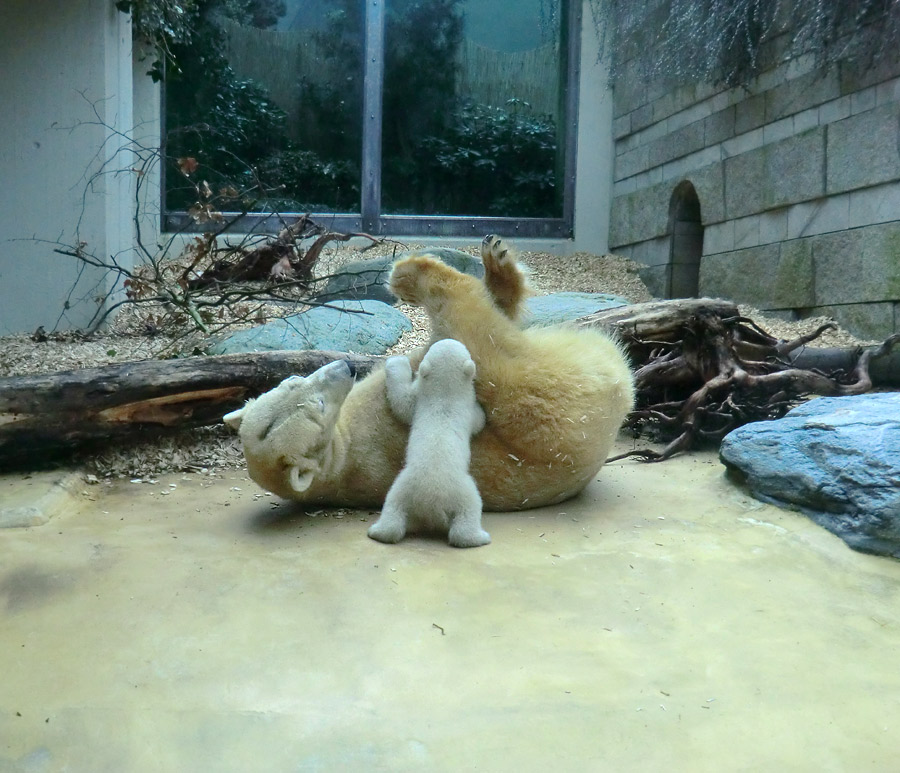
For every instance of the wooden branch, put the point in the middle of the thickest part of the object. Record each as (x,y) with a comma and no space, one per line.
(657,320)
(45,415)
(700,371)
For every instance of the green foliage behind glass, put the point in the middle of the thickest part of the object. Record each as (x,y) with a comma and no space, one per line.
(441,155)
(228,124)
(488,161)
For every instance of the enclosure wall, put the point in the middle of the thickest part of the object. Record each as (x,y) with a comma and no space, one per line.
(798,178)
(66,71)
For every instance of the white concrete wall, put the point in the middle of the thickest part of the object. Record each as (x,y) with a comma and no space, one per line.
(147,115)
(61,60)
(596,148)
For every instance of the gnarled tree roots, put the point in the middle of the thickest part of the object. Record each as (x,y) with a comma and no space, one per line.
(713,372)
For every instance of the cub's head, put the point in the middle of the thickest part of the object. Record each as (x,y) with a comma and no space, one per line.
(446,365)
(286,432)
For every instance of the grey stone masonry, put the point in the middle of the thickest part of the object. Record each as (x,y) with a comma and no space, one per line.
(863,149)
(813,88)
(852,275)
(798,179)
(774,175)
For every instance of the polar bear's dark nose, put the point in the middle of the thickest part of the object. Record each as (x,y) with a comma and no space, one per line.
(337,370)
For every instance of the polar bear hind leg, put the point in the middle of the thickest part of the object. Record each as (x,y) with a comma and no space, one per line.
(502,276)
(391,525)
(465,523)
(458,306)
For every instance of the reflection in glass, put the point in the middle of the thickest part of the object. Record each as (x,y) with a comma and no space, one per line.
(472,108)
(268,100)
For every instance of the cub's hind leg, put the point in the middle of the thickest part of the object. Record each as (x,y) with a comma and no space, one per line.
(391,524)
(502,276)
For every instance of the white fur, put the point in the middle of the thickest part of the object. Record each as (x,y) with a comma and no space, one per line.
(284,427)
(554,399)
(434,490)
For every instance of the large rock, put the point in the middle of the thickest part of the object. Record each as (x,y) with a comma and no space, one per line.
(369,278)
(836,459)
(332,329)
(566,307)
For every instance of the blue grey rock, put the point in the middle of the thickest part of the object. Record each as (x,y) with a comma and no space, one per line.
(368,278)
(372,332)
(836,459)
(566,307)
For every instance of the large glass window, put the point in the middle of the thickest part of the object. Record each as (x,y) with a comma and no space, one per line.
(396,116)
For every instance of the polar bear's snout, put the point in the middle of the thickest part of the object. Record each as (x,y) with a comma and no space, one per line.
(336,371)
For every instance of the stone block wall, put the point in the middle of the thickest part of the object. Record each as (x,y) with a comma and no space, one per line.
(798,178)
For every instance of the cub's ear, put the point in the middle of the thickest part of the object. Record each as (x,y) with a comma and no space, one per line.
(234,418)
(469,369)
(300,481)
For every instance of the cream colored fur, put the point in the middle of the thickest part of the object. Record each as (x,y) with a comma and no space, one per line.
(554,399)
(434,490)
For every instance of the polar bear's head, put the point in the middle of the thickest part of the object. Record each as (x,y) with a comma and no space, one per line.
(286,431)
(446,364)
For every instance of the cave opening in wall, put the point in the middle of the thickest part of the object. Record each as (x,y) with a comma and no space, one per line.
(686,248)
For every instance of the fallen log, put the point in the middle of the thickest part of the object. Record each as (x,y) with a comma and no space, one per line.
(657,320)
(47,415)
(694,359)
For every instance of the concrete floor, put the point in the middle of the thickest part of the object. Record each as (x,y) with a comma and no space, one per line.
(662,622)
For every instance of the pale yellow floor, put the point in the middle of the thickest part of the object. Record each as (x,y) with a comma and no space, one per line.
(662,622)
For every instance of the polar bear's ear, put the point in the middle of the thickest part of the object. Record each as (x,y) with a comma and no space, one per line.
(469,369)
(234,418)
(300,481)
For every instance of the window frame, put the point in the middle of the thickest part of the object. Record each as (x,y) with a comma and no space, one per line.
(370,219)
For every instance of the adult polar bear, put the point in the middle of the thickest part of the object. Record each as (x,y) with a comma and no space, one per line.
(554,398)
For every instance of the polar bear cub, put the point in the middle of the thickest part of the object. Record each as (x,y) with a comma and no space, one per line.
(434,489)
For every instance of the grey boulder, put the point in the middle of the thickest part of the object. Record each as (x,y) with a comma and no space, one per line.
(566,307)
(836,459)
(364,327)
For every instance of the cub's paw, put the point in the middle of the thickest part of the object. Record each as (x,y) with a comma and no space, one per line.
(389,528)
(398,369)
(468,537)
(414,280)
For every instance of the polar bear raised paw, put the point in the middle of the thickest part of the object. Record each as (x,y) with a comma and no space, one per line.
(503,276)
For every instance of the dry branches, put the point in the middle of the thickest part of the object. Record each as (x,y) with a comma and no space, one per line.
(718,372)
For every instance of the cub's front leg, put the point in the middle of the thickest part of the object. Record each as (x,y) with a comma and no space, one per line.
(400,388)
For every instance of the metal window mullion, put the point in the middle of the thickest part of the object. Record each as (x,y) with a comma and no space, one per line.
(572,11)
(373,86)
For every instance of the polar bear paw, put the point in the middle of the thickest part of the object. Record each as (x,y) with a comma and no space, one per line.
(468,536)
(416,279)
(389,528)
(502,275)
(495,251)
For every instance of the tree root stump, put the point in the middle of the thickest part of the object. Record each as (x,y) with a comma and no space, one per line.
(701,369)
